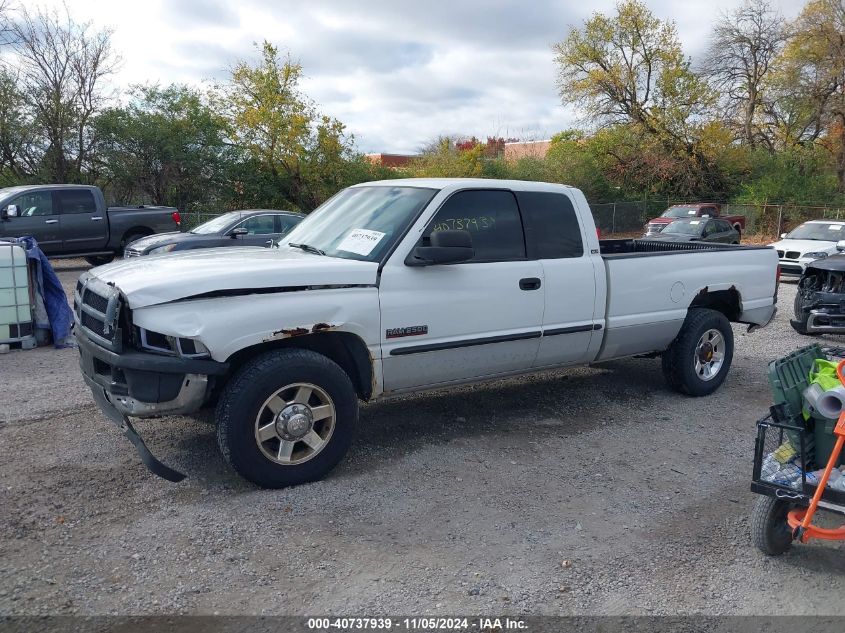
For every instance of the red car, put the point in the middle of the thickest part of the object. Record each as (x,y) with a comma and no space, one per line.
(698,210)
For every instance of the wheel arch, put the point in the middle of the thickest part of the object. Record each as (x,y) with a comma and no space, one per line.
(142,231)
(346,349)
(728,302)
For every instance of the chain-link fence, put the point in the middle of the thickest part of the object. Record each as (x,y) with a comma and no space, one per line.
(762,220)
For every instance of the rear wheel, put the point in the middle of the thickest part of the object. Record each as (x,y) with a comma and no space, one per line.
(698,360)
(769,529)
(131,237)
(286,418)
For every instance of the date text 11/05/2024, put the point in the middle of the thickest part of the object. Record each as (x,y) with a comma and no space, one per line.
(417,624)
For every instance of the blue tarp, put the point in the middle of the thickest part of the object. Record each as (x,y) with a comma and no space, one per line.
(51,290)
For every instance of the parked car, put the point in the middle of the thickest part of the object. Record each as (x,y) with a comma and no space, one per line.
(700,210)
(820,297)
(699,230)
(73,220)
(396,287)
(812,240)
(253,227)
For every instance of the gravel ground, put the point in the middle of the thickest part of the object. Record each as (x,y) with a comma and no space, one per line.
(588,491)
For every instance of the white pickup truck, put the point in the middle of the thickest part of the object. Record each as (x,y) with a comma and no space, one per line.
(395,287)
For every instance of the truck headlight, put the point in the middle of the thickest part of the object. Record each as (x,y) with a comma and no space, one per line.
(162,249)
(816,255)
(171,345)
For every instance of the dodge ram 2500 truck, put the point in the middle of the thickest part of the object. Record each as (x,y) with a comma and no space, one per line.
(73,220)
(395,287)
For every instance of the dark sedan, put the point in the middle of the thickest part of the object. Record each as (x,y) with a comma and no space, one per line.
(699,230)
(254,227)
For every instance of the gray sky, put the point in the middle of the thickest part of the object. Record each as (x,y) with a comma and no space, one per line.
(397,73)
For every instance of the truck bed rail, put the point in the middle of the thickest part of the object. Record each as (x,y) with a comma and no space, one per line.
(618,249)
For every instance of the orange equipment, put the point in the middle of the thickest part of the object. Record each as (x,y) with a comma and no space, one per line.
(801,519)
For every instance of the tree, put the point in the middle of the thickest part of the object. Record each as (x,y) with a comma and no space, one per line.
(630,69)
(167,146)
(16,132)
(279,129)
(815,60)
(744,44)
(62,66)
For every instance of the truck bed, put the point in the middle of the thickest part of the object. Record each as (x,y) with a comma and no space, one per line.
(648,296)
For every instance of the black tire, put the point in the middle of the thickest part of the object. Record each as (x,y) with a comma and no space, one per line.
(679,361)
(769,530)
(131,237)
(244,397)
(799,323)
(99,260)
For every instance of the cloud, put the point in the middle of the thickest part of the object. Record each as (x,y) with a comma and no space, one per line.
(396,73)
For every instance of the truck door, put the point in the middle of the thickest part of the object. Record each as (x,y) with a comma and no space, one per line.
(554,236)
(36,216)
(453,322)
(84,227)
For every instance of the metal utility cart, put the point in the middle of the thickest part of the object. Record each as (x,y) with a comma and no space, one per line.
(17,327)
(791,447)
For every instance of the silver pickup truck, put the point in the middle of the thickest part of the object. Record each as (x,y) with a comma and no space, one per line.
(73,221)
(396,287)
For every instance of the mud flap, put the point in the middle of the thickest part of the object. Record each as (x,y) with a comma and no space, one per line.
(123,423)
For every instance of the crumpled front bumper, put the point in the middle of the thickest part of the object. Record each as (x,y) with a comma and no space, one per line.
(144,385)
(823,321)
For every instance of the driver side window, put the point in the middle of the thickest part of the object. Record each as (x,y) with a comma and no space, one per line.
(492,219)
(33,204)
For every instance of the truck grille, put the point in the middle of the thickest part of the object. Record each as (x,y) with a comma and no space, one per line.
(131,253)
(96,309)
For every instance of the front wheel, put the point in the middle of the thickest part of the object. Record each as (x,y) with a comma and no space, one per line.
(769,528)
(286,418)
(698,360)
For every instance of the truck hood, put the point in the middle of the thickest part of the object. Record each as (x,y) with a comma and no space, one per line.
(155,279)
(805,246)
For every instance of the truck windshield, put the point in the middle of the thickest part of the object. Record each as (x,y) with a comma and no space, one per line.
(360,223)
(683,227)
(680,212)
(818,231)
(215,225)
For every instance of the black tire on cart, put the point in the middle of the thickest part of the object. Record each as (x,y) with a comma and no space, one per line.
(699,358)
(769,529)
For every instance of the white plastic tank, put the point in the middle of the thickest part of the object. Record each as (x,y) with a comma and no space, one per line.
(16,311)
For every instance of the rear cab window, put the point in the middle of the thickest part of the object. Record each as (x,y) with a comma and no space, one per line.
(76,201)
(551,224)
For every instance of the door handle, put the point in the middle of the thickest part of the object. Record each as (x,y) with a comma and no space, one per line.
(529,283)
(51,221)
(96,218)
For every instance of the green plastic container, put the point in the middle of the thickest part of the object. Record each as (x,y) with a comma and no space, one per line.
(790,376)
(825,439)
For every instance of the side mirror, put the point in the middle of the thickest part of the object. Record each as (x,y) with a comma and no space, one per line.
(783,236)
(10,211)
(447,247)
(840,246)
(238,232)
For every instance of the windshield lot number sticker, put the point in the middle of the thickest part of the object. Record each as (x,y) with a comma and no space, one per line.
(360,241)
